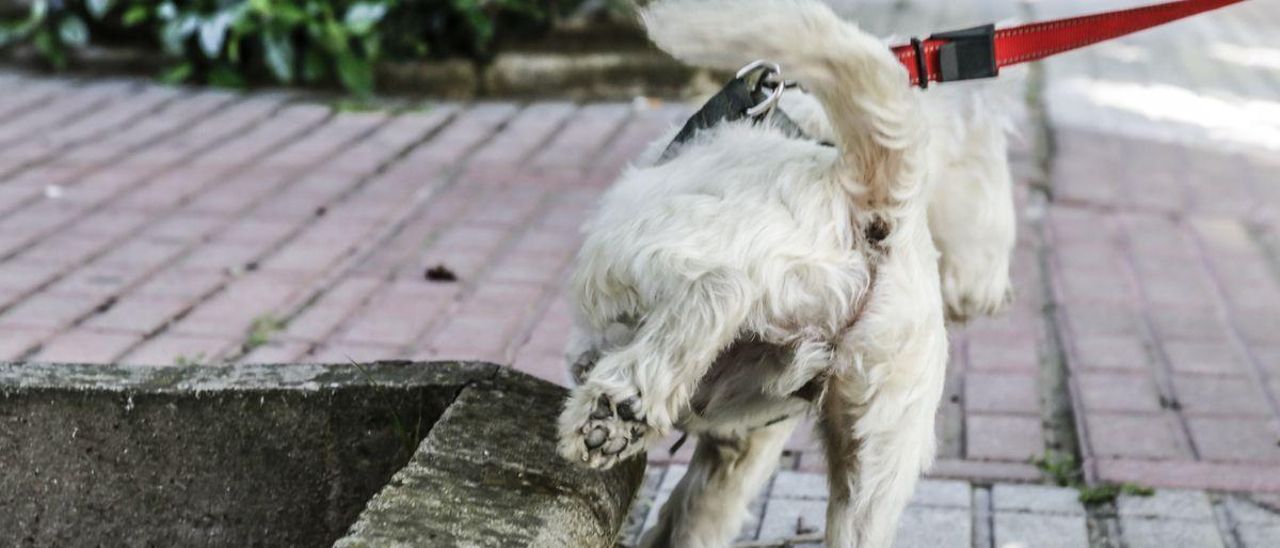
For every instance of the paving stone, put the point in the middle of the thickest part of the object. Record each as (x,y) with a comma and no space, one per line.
(1016,352)
(942,493)
(1259,536)
(935,527)
(1166,503)
(799,485)
(1118,392)
(1041,499)
(1236,438)
(1244,510)
(171,349)
(787,518)
(1000,437)
(1215,395)
(1001,392)
(1147,436)
(1207,358)
(81,346)
(1162,533)
(1023,530)
(18,341)
(1111,352)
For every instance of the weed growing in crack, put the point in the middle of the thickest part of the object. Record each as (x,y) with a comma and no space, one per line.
(1066,472)
(182,360)
(261,331)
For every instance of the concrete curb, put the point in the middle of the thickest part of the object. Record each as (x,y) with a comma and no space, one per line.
(462,489)
(289,455)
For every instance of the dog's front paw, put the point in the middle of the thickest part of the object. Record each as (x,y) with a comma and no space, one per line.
(601,428)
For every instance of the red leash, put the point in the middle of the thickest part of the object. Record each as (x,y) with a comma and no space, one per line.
(979,52)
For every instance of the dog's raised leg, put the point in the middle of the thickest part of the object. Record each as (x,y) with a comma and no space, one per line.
(707,508)
(878,446)
(635,393)
(971,217)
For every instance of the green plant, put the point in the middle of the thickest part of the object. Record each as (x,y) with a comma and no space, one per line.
(1066,473)
(1108,492)
(231,42)
(223,41)
(261,330)
(1061,467)
(52,28)
(184,360)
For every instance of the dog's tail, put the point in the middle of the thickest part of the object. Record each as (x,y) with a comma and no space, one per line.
(859,82)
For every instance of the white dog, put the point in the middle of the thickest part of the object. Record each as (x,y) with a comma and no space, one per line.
(757,276)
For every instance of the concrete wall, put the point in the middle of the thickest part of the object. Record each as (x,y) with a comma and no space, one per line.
(288,455)
(268,456)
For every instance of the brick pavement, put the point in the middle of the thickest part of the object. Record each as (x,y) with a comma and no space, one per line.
(957,514)
(154,225)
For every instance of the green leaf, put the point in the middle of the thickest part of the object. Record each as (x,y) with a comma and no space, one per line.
(262,7)
(73,32)
(314,66)
(372,46)
(335,38)
(213,33)
(98,8)
(167,11)
(39,8)
(177,74)
(362,16)
(225,77)
(174,33)
(279,54)
(171,38)
(136,14)
(12,32)
(233,48)
(355,73)
(289,14)
(50,48)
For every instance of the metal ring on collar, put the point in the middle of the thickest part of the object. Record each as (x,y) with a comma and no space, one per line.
(770,71)
(759,64)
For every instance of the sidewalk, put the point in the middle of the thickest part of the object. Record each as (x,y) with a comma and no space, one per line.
(956,514)
(157,225)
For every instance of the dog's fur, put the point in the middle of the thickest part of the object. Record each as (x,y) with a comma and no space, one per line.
(757,276)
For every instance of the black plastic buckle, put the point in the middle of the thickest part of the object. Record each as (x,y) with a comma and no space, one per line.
(968,54)
(922,68)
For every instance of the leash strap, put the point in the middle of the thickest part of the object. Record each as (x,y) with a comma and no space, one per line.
(966,54)
(979,52)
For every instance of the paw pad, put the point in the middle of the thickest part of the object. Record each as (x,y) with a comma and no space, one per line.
(613,431)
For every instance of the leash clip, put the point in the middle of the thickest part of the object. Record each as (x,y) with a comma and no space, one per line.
(968,54)
(767,75)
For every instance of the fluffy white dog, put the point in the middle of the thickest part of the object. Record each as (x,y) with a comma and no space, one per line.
(757,276)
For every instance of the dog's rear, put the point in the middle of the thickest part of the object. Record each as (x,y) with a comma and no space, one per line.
(970,206)
(857,80)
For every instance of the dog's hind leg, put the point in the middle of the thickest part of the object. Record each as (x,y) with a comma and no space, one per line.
(707,508)
(635,393)
(878,441)
(971,212)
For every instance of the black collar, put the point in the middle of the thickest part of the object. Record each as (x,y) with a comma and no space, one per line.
(730,104)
